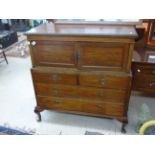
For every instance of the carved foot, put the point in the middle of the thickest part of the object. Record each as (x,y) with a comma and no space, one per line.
(123,130)
(37,110)
(124,123)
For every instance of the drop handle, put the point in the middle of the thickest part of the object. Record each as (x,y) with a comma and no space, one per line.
(55,77)
(55,90)
(101,94)
(100,106)
(78,56)
(56,102)
(33,43)
(102,81)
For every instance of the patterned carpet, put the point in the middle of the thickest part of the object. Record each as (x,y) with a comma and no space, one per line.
(19,49)
(92,133)
(10,131)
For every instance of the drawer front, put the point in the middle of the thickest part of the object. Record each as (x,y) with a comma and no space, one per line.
(49,53)
(86,106)
(80,92)
(104,56)
(105,81)
(42,76)
(144,81)
(105,108)
(59,103)
(145,69)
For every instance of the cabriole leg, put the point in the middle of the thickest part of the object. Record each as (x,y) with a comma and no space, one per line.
(124,123)
(37,110)
(123,130)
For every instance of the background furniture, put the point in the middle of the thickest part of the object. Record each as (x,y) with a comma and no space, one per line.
(143,68)
(82,69)
(7,38)
(151,34)
(143,65)
(3,56)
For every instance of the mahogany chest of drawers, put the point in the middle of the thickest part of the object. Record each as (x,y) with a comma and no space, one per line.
(82,69)
(143,68)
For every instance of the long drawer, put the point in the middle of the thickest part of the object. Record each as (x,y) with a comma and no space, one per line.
(78,105)
(80,92)
(85,78)
(114,81)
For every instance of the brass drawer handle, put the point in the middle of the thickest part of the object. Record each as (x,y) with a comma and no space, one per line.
(101,93)
(55,77)
(102,81)
(152,84)
(56,90)
(56,102)
(78,56)
(100,106)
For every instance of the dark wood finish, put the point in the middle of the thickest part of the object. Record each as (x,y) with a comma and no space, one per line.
(151,33)
(37,110)
(143,65)
(82,69)
(143,68)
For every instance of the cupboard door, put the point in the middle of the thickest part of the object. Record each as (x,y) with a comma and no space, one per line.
(50,54)
(107,56)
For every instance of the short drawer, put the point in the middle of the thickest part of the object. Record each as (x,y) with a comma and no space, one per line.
(86,106)
(105,81)
(144,81)
(80,92)
(111,109)
(42,76)
(59,103)
(149,70)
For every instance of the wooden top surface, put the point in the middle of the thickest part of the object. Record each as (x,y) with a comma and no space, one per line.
(83,30)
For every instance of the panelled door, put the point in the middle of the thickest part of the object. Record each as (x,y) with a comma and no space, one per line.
(88,55)
(53,53)
(107,56)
